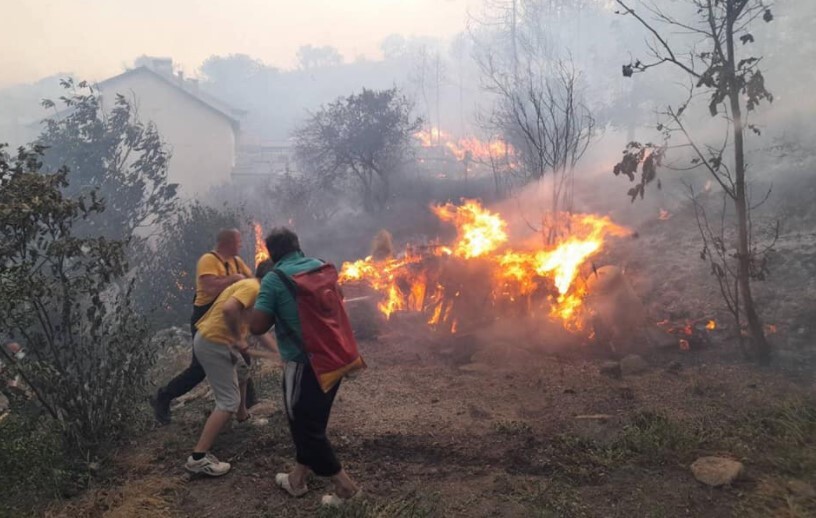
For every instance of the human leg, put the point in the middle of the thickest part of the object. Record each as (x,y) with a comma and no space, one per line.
(219,364)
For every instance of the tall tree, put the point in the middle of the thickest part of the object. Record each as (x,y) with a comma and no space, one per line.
(363,137)
(719,63)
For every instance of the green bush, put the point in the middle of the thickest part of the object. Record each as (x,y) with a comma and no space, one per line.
(34,463)
(64,298)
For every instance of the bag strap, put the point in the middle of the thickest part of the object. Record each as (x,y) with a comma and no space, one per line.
(226,268)
(290,286)
(226,263)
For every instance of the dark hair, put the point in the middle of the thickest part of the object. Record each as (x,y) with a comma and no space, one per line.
(264,267)
(281,242)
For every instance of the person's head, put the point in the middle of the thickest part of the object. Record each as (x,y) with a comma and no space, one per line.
(228,241)
(263,268)
(281,242)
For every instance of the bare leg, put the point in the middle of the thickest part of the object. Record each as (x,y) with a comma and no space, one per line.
(242,414)
(297,478)
(212,428)
(344,486)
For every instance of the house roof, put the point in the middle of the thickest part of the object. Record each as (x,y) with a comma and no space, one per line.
(205,100)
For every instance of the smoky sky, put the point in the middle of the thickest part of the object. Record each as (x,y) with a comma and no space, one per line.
(95,39)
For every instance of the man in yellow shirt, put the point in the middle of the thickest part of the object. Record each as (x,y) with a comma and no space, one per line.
(219,346)
(215,271)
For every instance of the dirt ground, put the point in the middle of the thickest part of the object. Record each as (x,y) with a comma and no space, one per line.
(429,432)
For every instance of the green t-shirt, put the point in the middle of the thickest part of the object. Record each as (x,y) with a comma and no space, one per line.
(275,299)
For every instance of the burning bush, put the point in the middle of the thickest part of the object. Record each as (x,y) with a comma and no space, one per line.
(480,276)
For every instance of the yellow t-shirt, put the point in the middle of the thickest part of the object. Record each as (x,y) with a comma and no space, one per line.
(213,326)
(212,264)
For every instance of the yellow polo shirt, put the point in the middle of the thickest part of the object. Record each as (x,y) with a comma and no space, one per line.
(213,326)
(213,264)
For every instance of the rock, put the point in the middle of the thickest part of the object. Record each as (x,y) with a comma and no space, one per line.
(801,489)
(716,471)
(633,364)
(612,369)
(264,407)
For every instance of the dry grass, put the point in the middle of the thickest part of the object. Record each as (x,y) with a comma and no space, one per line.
(151,497)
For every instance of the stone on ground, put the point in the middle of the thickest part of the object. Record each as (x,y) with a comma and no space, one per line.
(716,471)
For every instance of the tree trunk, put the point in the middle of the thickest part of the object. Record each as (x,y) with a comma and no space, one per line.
(760,343)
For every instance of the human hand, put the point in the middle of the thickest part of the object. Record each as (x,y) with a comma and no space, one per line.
(242,345)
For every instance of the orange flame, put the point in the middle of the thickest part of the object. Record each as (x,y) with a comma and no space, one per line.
(261,254)
(711,325)
(479,231)
(410,283)
(664,215)
(467,148)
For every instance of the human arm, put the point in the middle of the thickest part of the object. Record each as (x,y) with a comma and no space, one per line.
(213,285)
(260,322)
(263,315)
(233,313)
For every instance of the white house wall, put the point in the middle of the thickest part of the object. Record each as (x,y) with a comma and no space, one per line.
(202,142)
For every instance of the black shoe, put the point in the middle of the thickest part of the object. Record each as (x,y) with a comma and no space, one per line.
(251,396)
(161,408)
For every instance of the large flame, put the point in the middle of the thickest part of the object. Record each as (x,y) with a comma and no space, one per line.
(479,231)
(261,254)
(416,281)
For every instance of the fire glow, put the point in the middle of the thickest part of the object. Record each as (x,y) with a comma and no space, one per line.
(469,148)
(261,254)
(438,280)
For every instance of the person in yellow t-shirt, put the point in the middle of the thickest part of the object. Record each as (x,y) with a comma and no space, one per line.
(219,345)
(215,271)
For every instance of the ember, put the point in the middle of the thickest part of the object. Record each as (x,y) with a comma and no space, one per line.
(480,275)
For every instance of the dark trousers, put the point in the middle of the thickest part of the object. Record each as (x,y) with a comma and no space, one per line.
(194,374)
(308,409)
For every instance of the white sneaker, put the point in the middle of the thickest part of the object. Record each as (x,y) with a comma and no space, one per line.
(209,465)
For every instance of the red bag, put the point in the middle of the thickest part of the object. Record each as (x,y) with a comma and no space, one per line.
(327,336)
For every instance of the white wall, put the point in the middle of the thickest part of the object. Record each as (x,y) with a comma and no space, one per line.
(202,141)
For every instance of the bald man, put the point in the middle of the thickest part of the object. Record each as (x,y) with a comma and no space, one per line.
(215,271)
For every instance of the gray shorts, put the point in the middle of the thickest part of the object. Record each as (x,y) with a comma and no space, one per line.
(224,368)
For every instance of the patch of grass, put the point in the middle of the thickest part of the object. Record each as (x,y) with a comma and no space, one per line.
(772,497)
(654,437)
(34,464)
(580,460)
(550,499)
(784,436)
(409,506)
(512,427)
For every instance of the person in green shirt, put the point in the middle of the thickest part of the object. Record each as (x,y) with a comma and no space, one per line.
(307,407)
